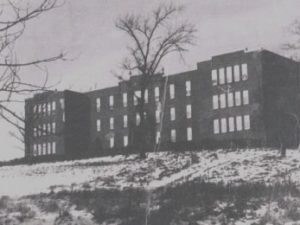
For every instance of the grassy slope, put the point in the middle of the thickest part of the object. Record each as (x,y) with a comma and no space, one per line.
(246,187)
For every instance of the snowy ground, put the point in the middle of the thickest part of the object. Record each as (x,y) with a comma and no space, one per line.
(159,169)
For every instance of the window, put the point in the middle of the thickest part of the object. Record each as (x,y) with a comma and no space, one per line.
(40,149)
(111,101)
(146,96)
(63,117)
(188,88)
(222,101)
(125,121)
(221,76)
(223,125)
(125,141)
(237,98)
(156,94)
(39,130)
(214,77)
(237,73)
(44,149)
(49,148)
(239,125)
(44,108)
(172,91)
(98,125)
(172,112)
(53,128)
(44,129)
(189,111)
(189,134)
(49,109)
(216,126)
(98,104)
(157,116)
(39,108)
(231,124)
(49,128)
(111,142)
(215,102)
(124,99)
(34,109)
(136,97)
(34,132)
(244,71)
(111,123)
(53,147)
(229,74)
(157,137)
(245,97)
(137,119)
(247,122)
(35,150)
(62,103)
(173,135)
(230,99)
(53,106)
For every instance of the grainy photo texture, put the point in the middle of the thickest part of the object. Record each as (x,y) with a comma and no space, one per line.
(137,112)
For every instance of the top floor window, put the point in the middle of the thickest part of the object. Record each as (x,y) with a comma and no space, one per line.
(136,97)
(146,96)
(172,91)
(188,88)
(62,103)
(156,94)
(237,73)
(244,71)
(98,104)
(124,99)
(221,76)
(214,77)
(111,101)
(49,108)
(53,106)
(229,74)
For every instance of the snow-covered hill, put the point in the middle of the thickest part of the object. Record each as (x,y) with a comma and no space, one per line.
(159,169)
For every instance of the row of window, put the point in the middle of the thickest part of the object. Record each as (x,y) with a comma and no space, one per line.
(187,89)
(230,99)
(48,108)
(229,74)
(189,137)
(44,129)
(231,124)
(47,148)
(137,96)
(138,118)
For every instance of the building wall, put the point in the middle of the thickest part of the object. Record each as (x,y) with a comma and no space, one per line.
(281,99)
(77,124)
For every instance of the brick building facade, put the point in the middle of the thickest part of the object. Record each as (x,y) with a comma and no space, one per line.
(235,99)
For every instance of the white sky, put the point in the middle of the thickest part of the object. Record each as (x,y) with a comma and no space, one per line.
(85,30)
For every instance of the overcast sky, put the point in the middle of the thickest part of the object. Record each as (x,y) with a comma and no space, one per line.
(85,30)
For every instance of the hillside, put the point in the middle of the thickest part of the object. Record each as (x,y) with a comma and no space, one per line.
(159,169)
(211,171)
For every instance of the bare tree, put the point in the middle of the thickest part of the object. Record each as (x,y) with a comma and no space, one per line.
(294,45)
(152,38)
(14,16)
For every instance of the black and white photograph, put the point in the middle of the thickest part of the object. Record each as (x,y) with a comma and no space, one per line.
(138,112)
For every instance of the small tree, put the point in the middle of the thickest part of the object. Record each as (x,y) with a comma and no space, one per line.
(14,17)
(152,38)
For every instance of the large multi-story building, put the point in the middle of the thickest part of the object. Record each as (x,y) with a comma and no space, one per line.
(236,99)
